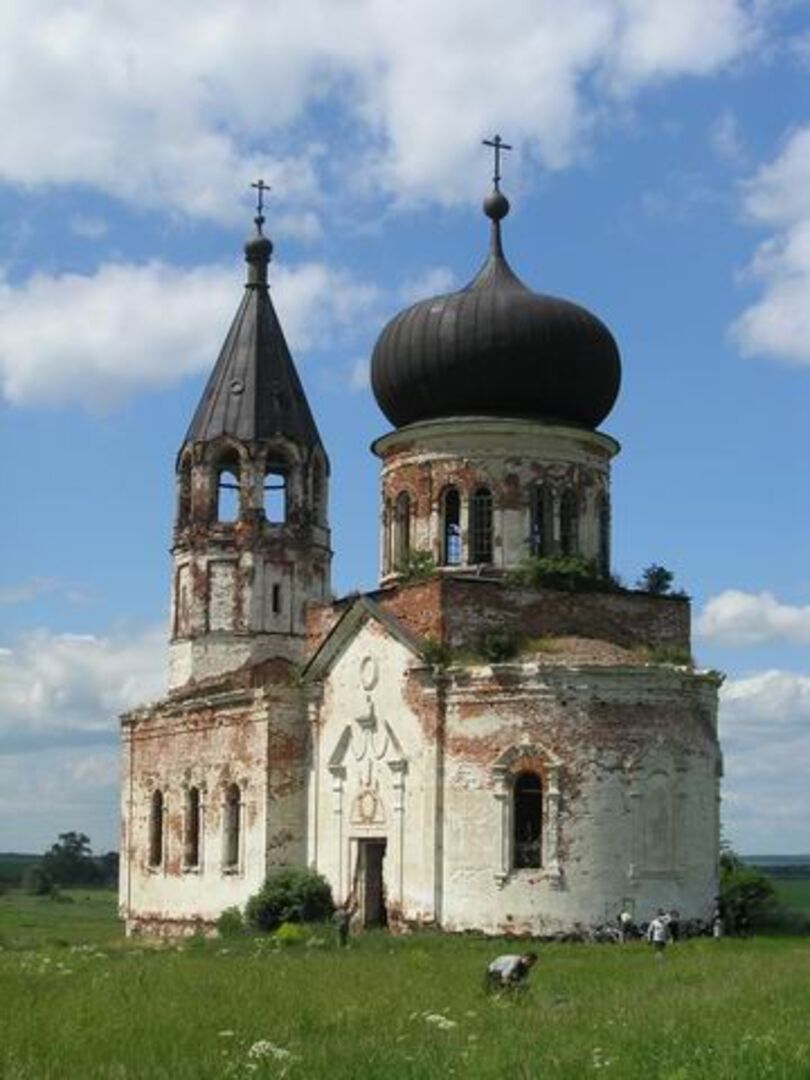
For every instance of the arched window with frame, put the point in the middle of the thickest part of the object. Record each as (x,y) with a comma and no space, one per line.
(402,528)
(481,526)
(229,471)
(274,491)
(191,838)
(527,821)
(604,534)
(232,813)
(540,513)
(569,523)
(156,808)
(451,527)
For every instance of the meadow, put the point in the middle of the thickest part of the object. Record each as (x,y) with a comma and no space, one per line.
(77,1000)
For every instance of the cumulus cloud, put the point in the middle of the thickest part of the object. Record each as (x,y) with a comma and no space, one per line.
(434,281)
(68,689)
(778,196)
(94,339)
(741,618)
(178,105)
(23,592)
(58,789)
(765,734)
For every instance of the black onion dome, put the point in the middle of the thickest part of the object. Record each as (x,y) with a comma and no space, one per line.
(496,349)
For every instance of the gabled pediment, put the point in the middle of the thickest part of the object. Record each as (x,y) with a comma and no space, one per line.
(346,629)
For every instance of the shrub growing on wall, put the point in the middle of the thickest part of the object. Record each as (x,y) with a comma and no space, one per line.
(290,895)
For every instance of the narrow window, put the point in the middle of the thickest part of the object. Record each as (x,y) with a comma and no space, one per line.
(184,493)
(569,523)
(228,489)
(232,823)
(276,599)
(451,528)
(481,526)
(156,829)
(191,847)
(388,537)
(275,494)
(538,537)
(402,528)
(528,821)
(604,535)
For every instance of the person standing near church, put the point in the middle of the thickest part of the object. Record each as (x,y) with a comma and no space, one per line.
(658,933)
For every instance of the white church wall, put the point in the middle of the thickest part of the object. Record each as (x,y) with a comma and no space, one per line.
(375,774)
(240,741)
(621,824)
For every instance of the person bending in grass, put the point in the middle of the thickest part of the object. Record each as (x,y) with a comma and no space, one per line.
(509,971)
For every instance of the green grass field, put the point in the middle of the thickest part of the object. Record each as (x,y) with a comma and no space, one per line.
(78,1001)
(794,893)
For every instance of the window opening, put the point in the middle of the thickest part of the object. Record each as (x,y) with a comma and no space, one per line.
(451,540)
(538,540)
(481,526)
(228,495)
(156,829)
(275,495)
(232,825)
(276,600)
(402,528)
(569,523)
(184,493)
(192,844)
(528,821)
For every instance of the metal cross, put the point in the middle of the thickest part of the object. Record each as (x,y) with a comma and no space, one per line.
(497,145)
(261,187)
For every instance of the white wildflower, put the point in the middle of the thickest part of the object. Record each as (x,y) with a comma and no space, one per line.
(264,1048)
(443,1023)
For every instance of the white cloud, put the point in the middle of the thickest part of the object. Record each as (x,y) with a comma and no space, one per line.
(725,138)
(359,375)
(67,689)
(433,282)
(58,789)
(24,592)
(88,227)
(778,195)
(765,735)
(179,105)
(95,339)
(741,618)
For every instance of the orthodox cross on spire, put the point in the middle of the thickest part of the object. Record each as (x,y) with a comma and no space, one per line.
(261,187)
(497,145)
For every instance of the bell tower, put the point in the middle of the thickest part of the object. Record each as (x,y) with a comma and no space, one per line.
(251,536)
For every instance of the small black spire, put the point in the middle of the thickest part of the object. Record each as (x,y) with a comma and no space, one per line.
(258,248)
(496,204)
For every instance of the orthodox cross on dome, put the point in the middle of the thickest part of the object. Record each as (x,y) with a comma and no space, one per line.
(497,145)
(261,187)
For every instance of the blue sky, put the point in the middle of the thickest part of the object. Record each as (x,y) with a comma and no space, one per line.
(660,175)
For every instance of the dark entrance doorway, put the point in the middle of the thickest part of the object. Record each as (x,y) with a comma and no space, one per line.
(371,896)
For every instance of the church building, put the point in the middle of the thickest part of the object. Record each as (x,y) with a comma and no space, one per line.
(475,745)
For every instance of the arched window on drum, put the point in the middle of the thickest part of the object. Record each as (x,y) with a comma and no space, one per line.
(402,529)
(481,526)
(569,523)
(451,527)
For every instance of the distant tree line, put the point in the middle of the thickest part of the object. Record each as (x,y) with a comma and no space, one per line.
(68,863)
